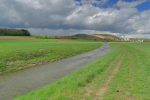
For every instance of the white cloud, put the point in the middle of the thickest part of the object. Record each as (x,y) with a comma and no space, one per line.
(124,4)
(64,16)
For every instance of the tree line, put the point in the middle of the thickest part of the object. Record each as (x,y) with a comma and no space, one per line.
(14,32)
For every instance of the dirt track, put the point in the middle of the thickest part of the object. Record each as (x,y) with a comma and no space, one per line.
(19,83)
(103,90)
(17,38)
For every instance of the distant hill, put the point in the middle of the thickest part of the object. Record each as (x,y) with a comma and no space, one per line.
(14,32)
(107,37)
(84,37)
(94,37)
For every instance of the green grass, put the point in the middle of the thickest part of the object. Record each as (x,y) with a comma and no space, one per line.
(132,80)
(20,54)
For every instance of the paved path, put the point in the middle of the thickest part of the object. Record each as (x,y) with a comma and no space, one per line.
(21,82)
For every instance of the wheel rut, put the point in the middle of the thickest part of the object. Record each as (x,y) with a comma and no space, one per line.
(101,92)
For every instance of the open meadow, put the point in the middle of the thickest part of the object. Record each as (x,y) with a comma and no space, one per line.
(122,74)
(75,50)
(22,52)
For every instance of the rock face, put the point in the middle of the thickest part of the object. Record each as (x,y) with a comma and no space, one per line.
(14,32)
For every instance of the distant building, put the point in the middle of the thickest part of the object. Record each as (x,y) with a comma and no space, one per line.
(141,41)
(125,38)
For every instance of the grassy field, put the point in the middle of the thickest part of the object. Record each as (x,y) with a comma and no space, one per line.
(123,74)
(21,52)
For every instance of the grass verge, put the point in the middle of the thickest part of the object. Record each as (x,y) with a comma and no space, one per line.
(129,82)
(66,88)
(20,54)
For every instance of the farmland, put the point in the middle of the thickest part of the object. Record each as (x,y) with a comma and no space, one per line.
(122,74)
(17,53)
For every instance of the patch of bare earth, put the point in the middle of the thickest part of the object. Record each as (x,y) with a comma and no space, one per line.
(63,40)
(91,90)
(103,90)
(16,38)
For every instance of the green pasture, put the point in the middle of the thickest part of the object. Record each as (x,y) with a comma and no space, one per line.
(20,54)
(128,63)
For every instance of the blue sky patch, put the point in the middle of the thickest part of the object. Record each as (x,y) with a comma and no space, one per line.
(112,4)
(144,6)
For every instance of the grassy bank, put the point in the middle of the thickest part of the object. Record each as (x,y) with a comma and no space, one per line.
(122,74)
(133,78)
(16,54)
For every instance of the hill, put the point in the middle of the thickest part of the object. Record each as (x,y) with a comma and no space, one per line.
(82,37)
(94,37)
(107,37)
(14,32)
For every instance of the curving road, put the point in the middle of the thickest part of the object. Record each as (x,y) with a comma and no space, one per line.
(21,82)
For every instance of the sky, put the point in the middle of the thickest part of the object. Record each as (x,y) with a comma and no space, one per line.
(128,18)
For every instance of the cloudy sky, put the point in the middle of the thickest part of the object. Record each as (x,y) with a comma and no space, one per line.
(54,17)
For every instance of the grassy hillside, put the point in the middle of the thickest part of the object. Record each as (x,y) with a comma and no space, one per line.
(107,37)
(123,74)
(17,54)
(94,37)
(14,32)
(83,37)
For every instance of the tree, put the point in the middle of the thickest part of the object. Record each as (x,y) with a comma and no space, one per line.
(26,32)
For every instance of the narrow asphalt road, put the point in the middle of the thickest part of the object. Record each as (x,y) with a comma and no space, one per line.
(22,82)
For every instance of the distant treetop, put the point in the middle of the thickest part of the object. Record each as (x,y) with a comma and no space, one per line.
(14,32)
